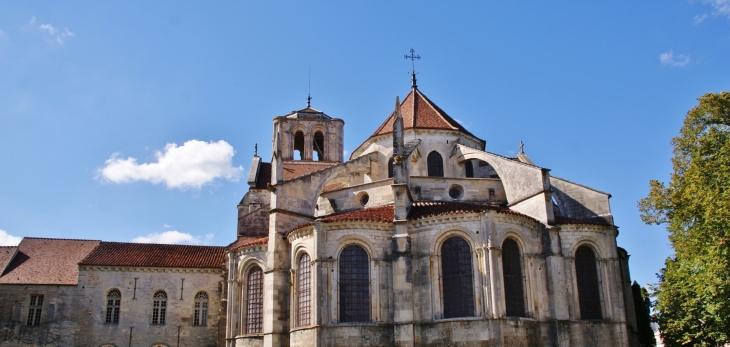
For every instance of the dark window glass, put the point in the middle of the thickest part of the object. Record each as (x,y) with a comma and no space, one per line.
(586,274)
(354,285)
(318,145)
(113,299)
(304,277)
(469,168)
(514,296)
(458,286)
(390,168)
(254,300)
(299,144)
(435,165)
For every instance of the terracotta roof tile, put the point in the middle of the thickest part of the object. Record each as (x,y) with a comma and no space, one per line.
(560,220)
(6,255)
(47,261)
(420,112)
(438,208)
(381,214)
(156,255)
(236,245)
(293,170)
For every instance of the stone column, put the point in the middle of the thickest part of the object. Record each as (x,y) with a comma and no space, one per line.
(277,288)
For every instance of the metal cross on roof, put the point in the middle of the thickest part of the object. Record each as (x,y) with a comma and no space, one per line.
(413,57)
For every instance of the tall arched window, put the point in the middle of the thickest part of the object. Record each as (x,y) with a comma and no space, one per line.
(254,300)
(458,282)
(390,168)
(354,285)
(469,168)
(318,145)
(299,145)
(113,299)
(159,307)
(586,275)
(514,294)
(200,314)
(435,165)
(304,290)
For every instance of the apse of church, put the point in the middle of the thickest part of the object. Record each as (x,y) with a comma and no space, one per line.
(421,238)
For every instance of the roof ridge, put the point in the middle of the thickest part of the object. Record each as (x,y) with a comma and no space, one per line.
(55,238)
(160,244)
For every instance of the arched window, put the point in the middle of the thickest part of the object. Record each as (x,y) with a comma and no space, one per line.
(458,286)
(254,300)
(586,275)
(354,285)
(435,165)
(113,299)
(299,145)
(304,290)
(318,145)
(390,168)
(514,294)
(159,307)
(200,314)
(469,168)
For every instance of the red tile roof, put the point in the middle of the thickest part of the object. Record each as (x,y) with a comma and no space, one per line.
(6,255)
(419,210)
(420,112)
(559,220)
(238,245)
(156,255)
(439,208)
(47,261)
(295,169)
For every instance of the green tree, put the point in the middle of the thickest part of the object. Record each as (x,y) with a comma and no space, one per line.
(642,306)
(693,293)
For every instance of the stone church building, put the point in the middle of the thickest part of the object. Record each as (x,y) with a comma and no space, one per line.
(420,238)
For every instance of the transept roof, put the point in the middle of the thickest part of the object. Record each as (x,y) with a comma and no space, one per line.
(47,261)
(156,255)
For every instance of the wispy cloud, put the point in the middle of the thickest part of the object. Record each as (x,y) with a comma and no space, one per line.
(173,237)
(719,8)
(668,58)
(59,35)
(192,165)
(31,21)
(8,240)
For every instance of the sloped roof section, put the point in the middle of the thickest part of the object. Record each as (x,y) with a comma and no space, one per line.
(47,261)
(424,209)
(6,255)
(294,169)
(238,244)
(156,255)
(420,112)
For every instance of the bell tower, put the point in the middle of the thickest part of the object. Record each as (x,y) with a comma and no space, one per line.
(307,135)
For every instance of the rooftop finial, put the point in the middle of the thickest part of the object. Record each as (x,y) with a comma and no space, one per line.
(309,89)
(522,147)
(413,57)
(256,150)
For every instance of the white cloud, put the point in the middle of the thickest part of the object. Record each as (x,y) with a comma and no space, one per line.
(172,237)
(719,8)
(668,58)
(192,165)
(58,35)
(167,226)
(31,21)
(8,240)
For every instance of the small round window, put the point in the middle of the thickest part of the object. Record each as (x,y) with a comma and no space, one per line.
(456,191)
(363,199)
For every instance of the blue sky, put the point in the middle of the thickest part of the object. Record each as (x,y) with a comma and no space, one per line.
(105,108)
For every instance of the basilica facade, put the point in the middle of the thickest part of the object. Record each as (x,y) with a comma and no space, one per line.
(420,238)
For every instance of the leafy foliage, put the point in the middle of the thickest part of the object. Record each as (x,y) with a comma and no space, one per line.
(642,305)
(693,293)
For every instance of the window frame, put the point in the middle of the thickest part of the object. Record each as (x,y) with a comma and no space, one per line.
(159,308)
(364,315)
(595,294)
(519,278)
(435,168)
(449,298)
(303,316)
(200,308)
(111,315)
(35,310)
(258,315)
